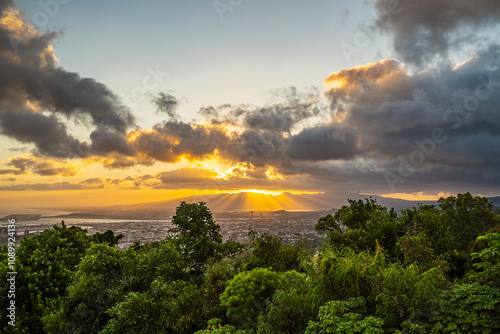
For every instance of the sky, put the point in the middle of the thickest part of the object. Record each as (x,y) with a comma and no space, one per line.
(121,102)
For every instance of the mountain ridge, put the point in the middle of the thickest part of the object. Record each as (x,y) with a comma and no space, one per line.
(249,201)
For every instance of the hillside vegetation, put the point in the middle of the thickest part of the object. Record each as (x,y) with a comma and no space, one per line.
(424,270)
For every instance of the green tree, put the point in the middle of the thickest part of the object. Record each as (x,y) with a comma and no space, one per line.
(345,317)
(197,235)
(270,251)
(488,269)
(108,237)
(110,284)
(466,308)
(248,293)
(290,310)
(95,289)
(467,218)
(45,265)
(362,225)
(338,274)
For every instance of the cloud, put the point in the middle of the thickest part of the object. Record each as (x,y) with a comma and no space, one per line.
(322,143)
(44,167)
(439,124)
(378,124)
(184,178)
(83,185)
(426,28)
(30,77)
(171,140)
(47,133)
(167,104)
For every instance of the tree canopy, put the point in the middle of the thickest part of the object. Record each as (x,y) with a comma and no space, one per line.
(429,269)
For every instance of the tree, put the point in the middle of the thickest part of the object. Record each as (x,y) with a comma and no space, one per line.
(466,308)
(489,267)
(45,266)
(345,317)
(108,237)
(196,234)
(270,251)
(110,285)
(467,218)
(362,225)
(328,224)
(248,293)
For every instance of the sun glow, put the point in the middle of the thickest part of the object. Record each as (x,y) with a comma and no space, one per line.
(334,84)
(258,191)
(273,175)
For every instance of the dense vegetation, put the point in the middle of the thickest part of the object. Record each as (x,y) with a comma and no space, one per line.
(425,270)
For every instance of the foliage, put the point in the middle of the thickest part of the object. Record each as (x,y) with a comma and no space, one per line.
(105,278)
(328,224)
(108,237)
(215,280)
(90,294)
(198,236)
(467,217)
(489,267)
(247,294)
(341,274)
(45,264)
(270,251)
(215,327)
(362,225)
(466,308)
(404,291)
(345,317)
(427,270)
(173,306)
(290,310)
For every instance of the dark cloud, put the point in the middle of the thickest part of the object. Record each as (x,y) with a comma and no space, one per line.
(5,4)
(29,73)
(11,171)
(213,113)
(439,122)
(45,131)
(170,140)
(322,143)
(167,104)
(37,166)
(426,28)
(285,116)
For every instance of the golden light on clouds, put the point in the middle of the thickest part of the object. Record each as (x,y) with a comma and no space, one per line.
(385,72)
(12,21)
(272,174)
(417,196)
(333,84)
(22,32)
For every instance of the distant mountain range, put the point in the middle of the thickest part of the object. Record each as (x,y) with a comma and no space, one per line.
(235,203)
(249,201)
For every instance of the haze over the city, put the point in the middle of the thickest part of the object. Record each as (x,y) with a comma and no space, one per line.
(117,103)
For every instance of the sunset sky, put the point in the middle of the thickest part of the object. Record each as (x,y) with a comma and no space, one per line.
(119,102)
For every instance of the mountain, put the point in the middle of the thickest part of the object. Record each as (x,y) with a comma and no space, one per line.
(249,201)
(245,202)
(242,201)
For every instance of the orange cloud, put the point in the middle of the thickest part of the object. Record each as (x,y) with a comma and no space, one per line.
(22,32)
(40,166)
(371,81)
